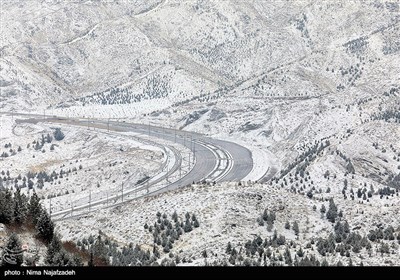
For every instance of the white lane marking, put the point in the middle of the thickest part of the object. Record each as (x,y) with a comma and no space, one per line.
(230,162)
(221,155)
(215,155)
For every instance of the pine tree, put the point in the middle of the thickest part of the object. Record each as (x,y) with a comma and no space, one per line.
(275,236)
(281,240)
(91,261)
(296,228)
(272,217)
(53,248)
(300,252)
(35,208)
(12,253)
(99,249)
(45,227)
(175,217)
(265,215)
(288,257)
(49,138)
(164,241)
(156,253)
(169,244)
(296,261)
(187,216)
(58,135)
(228,248)
(30,184)
(166,249)
(37,146)
(77,260)
(6,207)
(346,227)
(188,226)
(196,223)
(62,258)
(20,207)
(268,253)
(91,239)
(324,263)
(331,215)
(287,225)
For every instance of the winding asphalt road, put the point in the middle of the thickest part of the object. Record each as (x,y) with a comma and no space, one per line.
(240,158)
(215,160)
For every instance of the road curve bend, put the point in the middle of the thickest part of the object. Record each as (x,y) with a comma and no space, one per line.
(215,160)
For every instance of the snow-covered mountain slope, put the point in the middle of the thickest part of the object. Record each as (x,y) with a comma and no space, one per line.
(231,213)
(312,88)
(174,49)
(267,66)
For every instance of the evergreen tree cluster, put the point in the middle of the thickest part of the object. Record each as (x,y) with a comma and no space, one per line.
(134,256)
(342,241)
(386,191)
(277,251)
(349,165)
(305,158)
(268,252)
(390,115)
(39,144)
(35,179)
(102,251)
(13,245)
(357,45)
(166,232)
(155,87)
(332,213)
(391,44)
(58,134)
(26,213)
(19,210)
(57,255)
(269,217)
(382,234)
(10,151)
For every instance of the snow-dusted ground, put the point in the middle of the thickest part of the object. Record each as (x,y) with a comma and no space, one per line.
(96,162)
(228,213)
(276,77)
(99,161)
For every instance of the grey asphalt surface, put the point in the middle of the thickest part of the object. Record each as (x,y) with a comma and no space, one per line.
(243,161)
(206,161)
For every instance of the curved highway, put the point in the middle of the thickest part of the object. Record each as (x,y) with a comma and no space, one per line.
(215,160)
(209,152)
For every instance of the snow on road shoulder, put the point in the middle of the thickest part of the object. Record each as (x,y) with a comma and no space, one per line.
(263,159)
